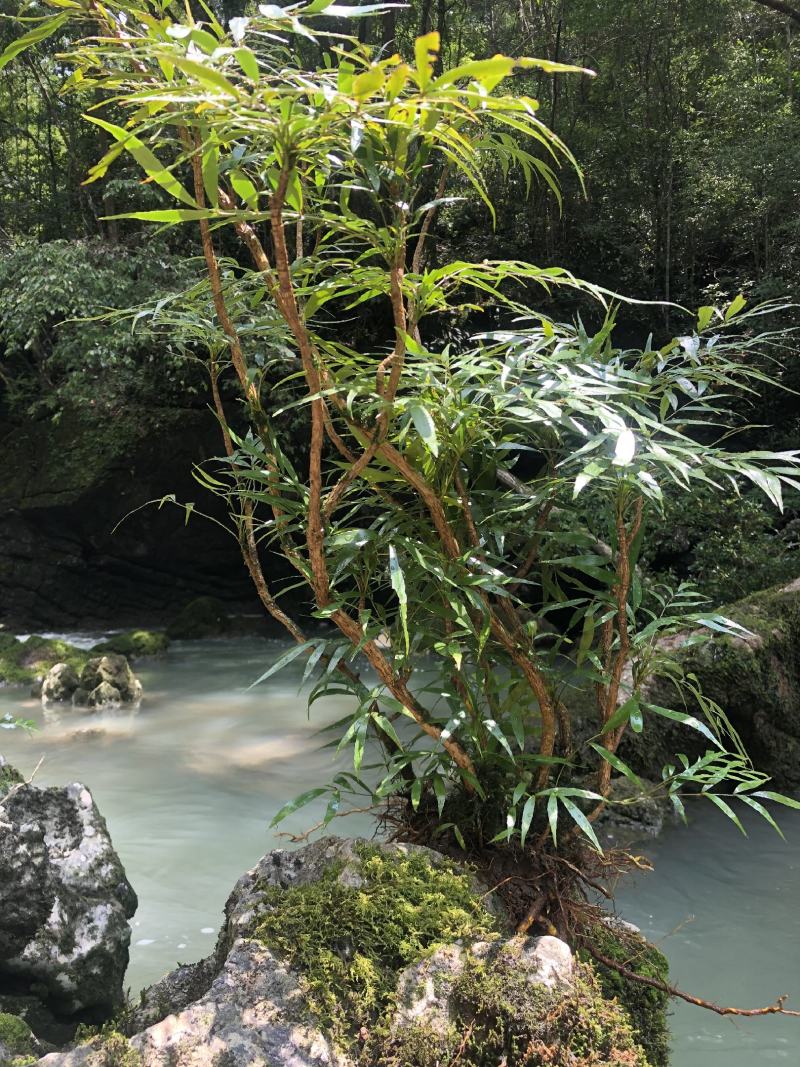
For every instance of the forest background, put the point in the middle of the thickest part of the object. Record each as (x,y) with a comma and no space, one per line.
(689,141)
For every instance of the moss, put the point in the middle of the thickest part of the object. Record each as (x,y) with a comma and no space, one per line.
(15,1034)
(349,942)
(22,661)
(135,643)
(203,617)
(8,776)
(645,1006)
(501,1018)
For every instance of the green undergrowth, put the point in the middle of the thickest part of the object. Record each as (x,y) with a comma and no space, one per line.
(9,777)
(16,1036)
(500,1018)
(350,941)
(21,662)
(645,1006)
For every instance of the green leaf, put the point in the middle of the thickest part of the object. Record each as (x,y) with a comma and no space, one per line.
(149,163)
(208,76)
(171,215)
(246,58)
(735,307)
(38,33)
(762,811)
(527,818)
(440,791)
(616,763)
(778,798)
(399,585)
(298,802)
(687,720)
(552,816)
(279,664)
(622,714)
(727,809)
(581,821)
(704,316)
(423,421)
(498,734)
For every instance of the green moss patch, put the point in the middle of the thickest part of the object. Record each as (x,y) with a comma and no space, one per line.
(134,644)
(501,1018)
(348,942)
(645,1006)
(15,1034)
(21,662)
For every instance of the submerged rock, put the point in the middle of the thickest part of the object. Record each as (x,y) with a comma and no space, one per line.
(104,682)
(64,902)
(348,953)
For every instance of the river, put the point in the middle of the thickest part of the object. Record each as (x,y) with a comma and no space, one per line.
(189,782)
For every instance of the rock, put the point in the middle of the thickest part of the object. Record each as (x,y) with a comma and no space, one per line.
(104,682)
(755,679)
(427,992)
(64,902)
(135,643)
(104,695)
(109,680)
(203,617)
(60,683)
(343,938)
(634,811)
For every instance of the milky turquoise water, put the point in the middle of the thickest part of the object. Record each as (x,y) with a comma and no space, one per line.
(189,782)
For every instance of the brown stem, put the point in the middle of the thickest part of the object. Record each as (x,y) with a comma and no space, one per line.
(773,1009)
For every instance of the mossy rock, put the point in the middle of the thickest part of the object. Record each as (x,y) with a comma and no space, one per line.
(9,776)
(134,644)
(16,1040)
(22,662)
(203,617)
(351,931)
(499,1017)
(646,1007)
(755,679)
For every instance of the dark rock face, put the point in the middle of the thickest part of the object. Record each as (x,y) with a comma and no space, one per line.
(67,485)
(64,901)
(755,679)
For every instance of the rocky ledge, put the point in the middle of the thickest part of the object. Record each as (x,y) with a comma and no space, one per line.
(348,953)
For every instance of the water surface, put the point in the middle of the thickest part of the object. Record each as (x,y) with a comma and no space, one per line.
(189,782)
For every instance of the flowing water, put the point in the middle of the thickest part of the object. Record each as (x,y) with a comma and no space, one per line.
(188,783)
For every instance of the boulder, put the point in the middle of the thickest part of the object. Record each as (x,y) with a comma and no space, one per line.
(59,683)
(64,902)
(346,952)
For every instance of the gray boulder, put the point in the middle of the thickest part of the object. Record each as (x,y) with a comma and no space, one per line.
(64,901)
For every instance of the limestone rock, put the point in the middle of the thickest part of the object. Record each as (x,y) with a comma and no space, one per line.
(104,682)
(59,683)
(64,901)
(425,990)
(252,1016)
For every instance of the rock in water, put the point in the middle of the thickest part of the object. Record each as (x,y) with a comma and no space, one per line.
(60,683)
(104,682)
(64,901)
